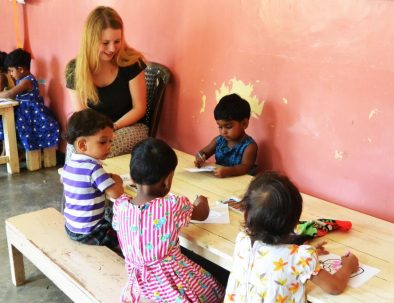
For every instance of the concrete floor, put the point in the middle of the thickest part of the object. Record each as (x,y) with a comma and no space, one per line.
(21,193)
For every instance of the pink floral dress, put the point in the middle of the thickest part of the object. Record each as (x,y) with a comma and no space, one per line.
(157,271)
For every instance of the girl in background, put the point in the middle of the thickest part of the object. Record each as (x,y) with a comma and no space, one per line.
(35,125)
(6,81)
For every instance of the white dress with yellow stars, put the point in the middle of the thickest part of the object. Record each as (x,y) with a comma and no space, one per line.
(270,273)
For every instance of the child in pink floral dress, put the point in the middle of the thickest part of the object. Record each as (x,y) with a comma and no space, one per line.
(148,229)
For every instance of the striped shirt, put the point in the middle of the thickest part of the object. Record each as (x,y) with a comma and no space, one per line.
(149,238)
(85,182)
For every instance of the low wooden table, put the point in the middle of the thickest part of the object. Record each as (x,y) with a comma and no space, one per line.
(11,149)
(371,239)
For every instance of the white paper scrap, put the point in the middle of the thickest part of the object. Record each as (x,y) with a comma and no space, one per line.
(208,168)
(218,214)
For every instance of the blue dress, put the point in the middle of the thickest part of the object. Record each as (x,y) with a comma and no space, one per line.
(227,156)
(35,125)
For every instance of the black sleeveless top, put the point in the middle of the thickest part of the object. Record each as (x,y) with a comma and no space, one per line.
(115,98)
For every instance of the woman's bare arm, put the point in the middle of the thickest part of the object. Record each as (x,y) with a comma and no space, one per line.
(137,88)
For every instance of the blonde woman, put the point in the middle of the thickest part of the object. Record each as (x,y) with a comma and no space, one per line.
(108,76)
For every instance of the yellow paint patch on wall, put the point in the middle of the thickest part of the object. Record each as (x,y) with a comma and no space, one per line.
(245,91)
(284,100)
(338,155)
(204,102)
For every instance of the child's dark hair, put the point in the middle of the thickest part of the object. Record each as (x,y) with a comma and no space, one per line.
(232,107)
(273,207)
(18,58)
(151,160)
(3,68)
(86,122)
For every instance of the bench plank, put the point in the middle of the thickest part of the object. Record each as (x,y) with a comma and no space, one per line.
(84,273)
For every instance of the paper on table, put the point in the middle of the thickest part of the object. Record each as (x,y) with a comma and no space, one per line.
(208,168)
(127,182)
(218,214)
(332,263)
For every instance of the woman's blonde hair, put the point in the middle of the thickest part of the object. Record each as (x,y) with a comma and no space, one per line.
(88,62)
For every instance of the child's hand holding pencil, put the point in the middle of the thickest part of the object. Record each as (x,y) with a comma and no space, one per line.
(200,159)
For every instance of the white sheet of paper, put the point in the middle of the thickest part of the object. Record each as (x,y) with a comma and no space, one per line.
(208,168)
(332,263)
(218,214)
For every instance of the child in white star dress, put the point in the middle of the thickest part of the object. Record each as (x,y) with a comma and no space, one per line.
(267,267)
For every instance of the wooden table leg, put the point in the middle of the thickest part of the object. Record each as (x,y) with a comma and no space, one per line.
(11,148)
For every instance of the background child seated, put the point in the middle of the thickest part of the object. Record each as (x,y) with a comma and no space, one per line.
(85,181)
(6,81)
(35,125)
(148,229)
(233,148)
(267,268)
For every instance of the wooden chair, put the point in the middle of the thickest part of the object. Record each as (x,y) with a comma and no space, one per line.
(157,77)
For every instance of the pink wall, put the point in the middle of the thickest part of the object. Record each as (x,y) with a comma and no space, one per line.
(322,67)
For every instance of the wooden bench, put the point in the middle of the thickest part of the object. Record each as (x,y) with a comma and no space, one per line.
(84,273)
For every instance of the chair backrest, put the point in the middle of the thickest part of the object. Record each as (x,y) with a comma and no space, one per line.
(156,77)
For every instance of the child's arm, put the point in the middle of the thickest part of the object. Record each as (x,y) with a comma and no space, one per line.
(23,86)
(201,209)
(3,82)
(336,283)
(248,159)
(205,153)
(116,189)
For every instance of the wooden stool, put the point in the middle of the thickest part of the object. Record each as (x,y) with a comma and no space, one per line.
(11,149)
(35,158)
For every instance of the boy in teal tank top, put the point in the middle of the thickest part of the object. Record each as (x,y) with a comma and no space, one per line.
(234,150)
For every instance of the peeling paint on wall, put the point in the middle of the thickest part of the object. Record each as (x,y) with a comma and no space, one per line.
(372,113)
(338,155)
(204,102)
(245,91)
(285,100)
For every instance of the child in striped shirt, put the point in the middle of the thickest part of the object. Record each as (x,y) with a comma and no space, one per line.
(85,181)
(148,228)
